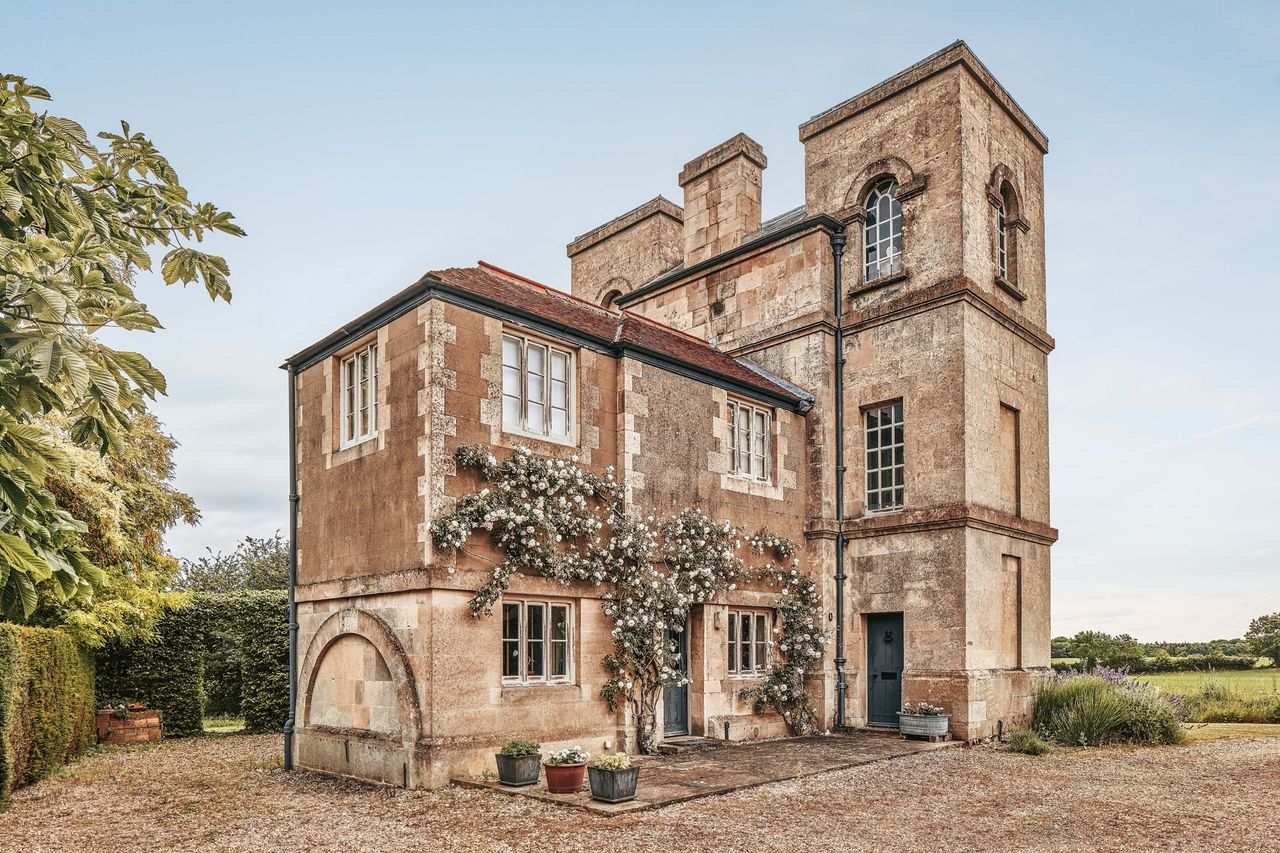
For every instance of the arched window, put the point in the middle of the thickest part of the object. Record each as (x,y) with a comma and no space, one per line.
(882,235)
(1006,237)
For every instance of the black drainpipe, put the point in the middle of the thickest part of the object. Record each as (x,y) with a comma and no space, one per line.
(837,255)
(293,569)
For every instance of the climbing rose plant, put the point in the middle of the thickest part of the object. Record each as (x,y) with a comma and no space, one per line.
(551,517)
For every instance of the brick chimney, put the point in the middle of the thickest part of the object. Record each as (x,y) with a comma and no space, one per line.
(721,197)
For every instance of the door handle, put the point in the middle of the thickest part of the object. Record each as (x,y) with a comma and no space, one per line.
(875,675)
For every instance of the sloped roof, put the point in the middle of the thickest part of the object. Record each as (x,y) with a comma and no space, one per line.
(492,288)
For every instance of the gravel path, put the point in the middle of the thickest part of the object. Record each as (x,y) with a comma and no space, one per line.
(228,794)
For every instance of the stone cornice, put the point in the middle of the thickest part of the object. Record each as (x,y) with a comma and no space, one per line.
(957,53)
(955,289)
(739,145)
(658,206)
(947,517)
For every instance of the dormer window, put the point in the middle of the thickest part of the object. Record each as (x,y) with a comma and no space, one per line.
(882,233)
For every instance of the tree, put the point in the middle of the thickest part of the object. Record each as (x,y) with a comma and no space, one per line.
(1263,637)
(76,224)
(126,502)
(253,564)
(1096,647)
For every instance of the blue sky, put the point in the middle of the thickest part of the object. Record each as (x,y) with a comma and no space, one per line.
(363,144)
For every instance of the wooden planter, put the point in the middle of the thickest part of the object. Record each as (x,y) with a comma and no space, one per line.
(142,726)
(613,786)
(518,770)
(923,725)
(565,778)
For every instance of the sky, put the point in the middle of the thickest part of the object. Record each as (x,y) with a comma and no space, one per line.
(361,145)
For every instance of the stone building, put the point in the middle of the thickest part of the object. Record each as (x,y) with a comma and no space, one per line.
(919,248)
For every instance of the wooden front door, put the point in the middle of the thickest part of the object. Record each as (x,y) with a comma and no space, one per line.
(675,700)
(884,668)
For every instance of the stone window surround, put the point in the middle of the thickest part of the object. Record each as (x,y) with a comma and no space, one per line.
(570,440)
(854,216)
(545,680)
(781,479)
(331,402)
(734,406)
(1002,192)
(733,641)
(347,441)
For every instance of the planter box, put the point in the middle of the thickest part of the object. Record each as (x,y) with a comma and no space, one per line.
(518,770)
(923,725)
(565,778)
(613,786)
(141,727)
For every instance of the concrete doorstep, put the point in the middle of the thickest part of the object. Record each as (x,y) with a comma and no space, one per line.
(669,779)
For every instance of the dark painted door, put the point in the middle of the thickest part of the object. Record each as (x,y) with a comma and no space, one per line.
(884,668)
(675,700)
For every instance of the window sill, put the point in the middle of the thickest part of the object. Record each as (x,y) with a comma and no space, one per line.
(874,513)
(538,691)
(744,478)
(563,441)
(883,281)
(755,676)
(1010,288)
(350,445)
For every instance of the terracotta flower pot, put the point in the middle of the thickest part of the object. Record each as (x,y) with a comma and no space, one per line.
(565,778)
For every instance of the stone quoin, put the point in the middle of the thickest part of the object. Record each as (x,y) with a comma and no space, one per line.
(696,355)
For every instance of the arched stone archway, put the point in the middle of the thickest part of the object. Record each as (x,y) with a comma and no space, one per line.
(371,630)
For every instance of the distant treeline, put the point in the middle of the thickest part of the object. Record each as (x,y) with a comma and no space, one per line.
(1093,648)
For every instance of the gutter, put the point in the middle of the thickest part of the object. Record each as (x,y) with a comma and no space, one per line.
(842,687)
(293,570)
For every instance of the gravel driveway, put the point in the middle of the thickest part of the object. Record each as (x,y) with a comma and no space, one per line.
(228,793)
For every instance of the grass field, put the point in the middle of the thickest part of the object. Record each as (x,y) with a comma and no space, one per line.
(223,725)
(1258,681)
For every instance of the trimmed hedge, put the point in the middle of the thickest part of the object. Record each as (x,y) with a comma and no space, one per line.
(209,636)
(47,715)
(1189,663)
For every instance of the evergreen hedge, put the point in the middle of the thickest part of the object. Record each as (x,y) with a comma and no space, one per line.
(193,653)
(47,715)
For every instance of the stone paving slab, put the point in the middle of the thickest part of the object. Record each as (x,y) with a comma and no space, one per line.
(670,779)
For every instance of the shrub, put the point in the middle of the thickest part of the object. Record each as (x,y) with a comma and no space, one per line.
(169,672)
(1218,702)
(517,748)
(616,761)
(47,714)
(1091,710)
(1028,742)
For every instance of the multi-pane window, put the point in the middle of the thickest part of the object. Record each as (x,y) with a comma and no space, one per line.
(359,377)
(748,441)
(885,469)
(1002,241)
(536,391)
(882,233)
(535,642)
(748,642)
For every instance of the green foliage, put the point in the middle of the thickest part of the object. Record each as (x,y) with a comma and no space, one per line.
(1218,702)
(613,761)
(1095,648)
(550,517)
(253,564)
(1263,637)
(168,672)
(47,714)
(77,223)
(1028,742)
(127,503)
(1088,710)
(517,748)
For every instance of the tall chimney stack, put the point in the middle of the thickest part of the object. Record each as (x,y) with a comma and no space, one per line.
(721,197)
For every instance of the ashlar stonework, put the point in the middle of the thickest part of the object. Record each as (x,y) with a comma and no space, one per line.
(681,320)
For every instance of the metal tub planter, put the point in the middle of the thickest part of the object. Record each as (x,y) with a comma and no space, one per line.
(613,779)
(923,720)
(518,763)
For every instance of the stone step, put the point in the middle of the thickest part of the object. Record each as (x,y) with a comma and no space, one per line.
(681,745)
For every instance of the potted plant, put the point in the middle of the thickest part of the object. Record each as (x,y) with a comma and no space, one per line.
(565,769)
(922,720)
(518,762)
(613,779)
